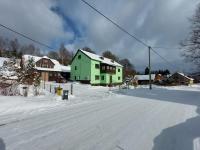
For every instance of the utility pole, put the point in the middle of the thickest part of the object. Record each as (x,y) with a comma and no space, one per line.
(150,86)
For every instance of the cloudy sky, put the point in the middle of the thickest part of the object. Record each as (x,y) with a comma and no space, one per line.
(156,22)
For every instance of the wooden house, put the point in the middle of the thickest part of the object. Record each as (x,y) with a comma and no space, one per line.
(181,79)
(49,69)
(144,79)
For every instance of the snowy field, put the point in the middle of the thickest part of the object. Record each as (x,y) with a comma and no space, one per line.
(94,118)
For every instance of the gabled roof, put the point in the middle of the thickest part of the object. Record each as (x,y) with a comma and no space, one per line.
(184,76)
(101,58)
(57,66)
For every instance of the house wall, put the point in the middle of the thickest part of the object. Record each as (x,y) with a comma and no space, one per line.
(105,81)
(45,63)
(95,72)
(179,79)
(118,74)
(81,68)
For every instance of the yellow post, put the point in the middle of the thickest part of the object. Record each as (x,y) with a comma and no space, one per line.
(59,91)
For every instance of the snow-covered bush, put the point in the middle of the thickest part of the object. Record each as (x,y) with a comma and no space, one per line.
(11,76)
(8,78)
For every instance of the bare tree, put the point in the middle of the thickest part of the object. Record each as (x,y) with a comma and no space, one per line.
(14,44)
(110,55)
(129,69)
(191,44)
(53,55)
(65,55)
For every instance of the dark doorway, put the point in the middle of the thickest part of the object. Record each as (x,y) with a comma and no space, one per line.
(110,79)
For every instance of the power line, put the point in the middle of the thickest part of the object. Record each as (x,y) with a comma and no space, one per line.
(25,36)
(160,47)
(118,26)
(125,31)
(163,58)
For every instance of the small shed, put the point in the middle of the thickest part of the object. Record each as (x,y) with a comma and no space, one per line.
(144,79)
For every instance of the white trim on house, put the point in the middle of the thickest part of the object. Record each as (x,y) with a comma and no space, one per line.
(101,59)
(144,77)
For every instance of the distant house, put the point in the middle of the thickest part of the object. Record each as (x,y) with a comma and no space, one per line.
(181,79)
(196,77)
(49,69)
(144,79)
(93,69)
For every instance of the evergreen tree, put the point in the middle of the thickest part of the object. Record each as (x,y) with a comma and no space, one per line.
(146,70)
(29,75)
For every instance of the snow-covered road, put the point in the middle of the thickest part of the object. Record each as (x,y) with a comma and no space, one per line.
(161,119)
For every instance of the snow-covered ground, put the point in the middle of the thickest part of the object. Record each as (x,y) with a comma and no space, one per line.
(94,118)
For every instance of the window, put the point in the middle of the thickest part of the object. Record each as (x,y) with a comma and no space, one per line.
(102,77)
(101,58)
(79,56)
(75,67)
(50,74)
(118,70)
(108,67)
(97,66)
(119,78)
(96,77)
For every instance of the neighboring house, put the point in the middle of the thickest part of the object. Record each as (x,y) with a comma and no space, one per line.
(93,69)
(181,79)
(158,78)
(144,79)
(50,69)
(196,77)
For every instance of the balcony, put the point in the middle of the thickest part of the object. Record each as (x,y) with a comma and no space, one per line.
(105,68)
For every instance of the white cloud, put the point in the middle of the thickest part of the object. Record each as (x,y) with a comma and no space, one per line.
(157,22)
(33,18)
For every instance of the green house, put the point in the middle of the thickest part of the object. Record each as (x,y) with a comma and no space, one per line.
(93,69)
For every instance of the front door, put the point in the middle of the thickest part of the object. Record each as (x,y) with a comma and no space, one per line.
(110,79)
(45,76)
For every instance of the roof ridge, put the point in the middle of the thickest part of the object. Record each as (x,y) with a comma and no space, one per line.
(112,62)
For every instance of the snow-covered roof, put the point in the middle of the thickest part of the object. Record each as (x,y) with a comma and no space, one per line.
(182,74)
(57,66)
(101,59)
(2,60)
(145,77)
(65,68)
